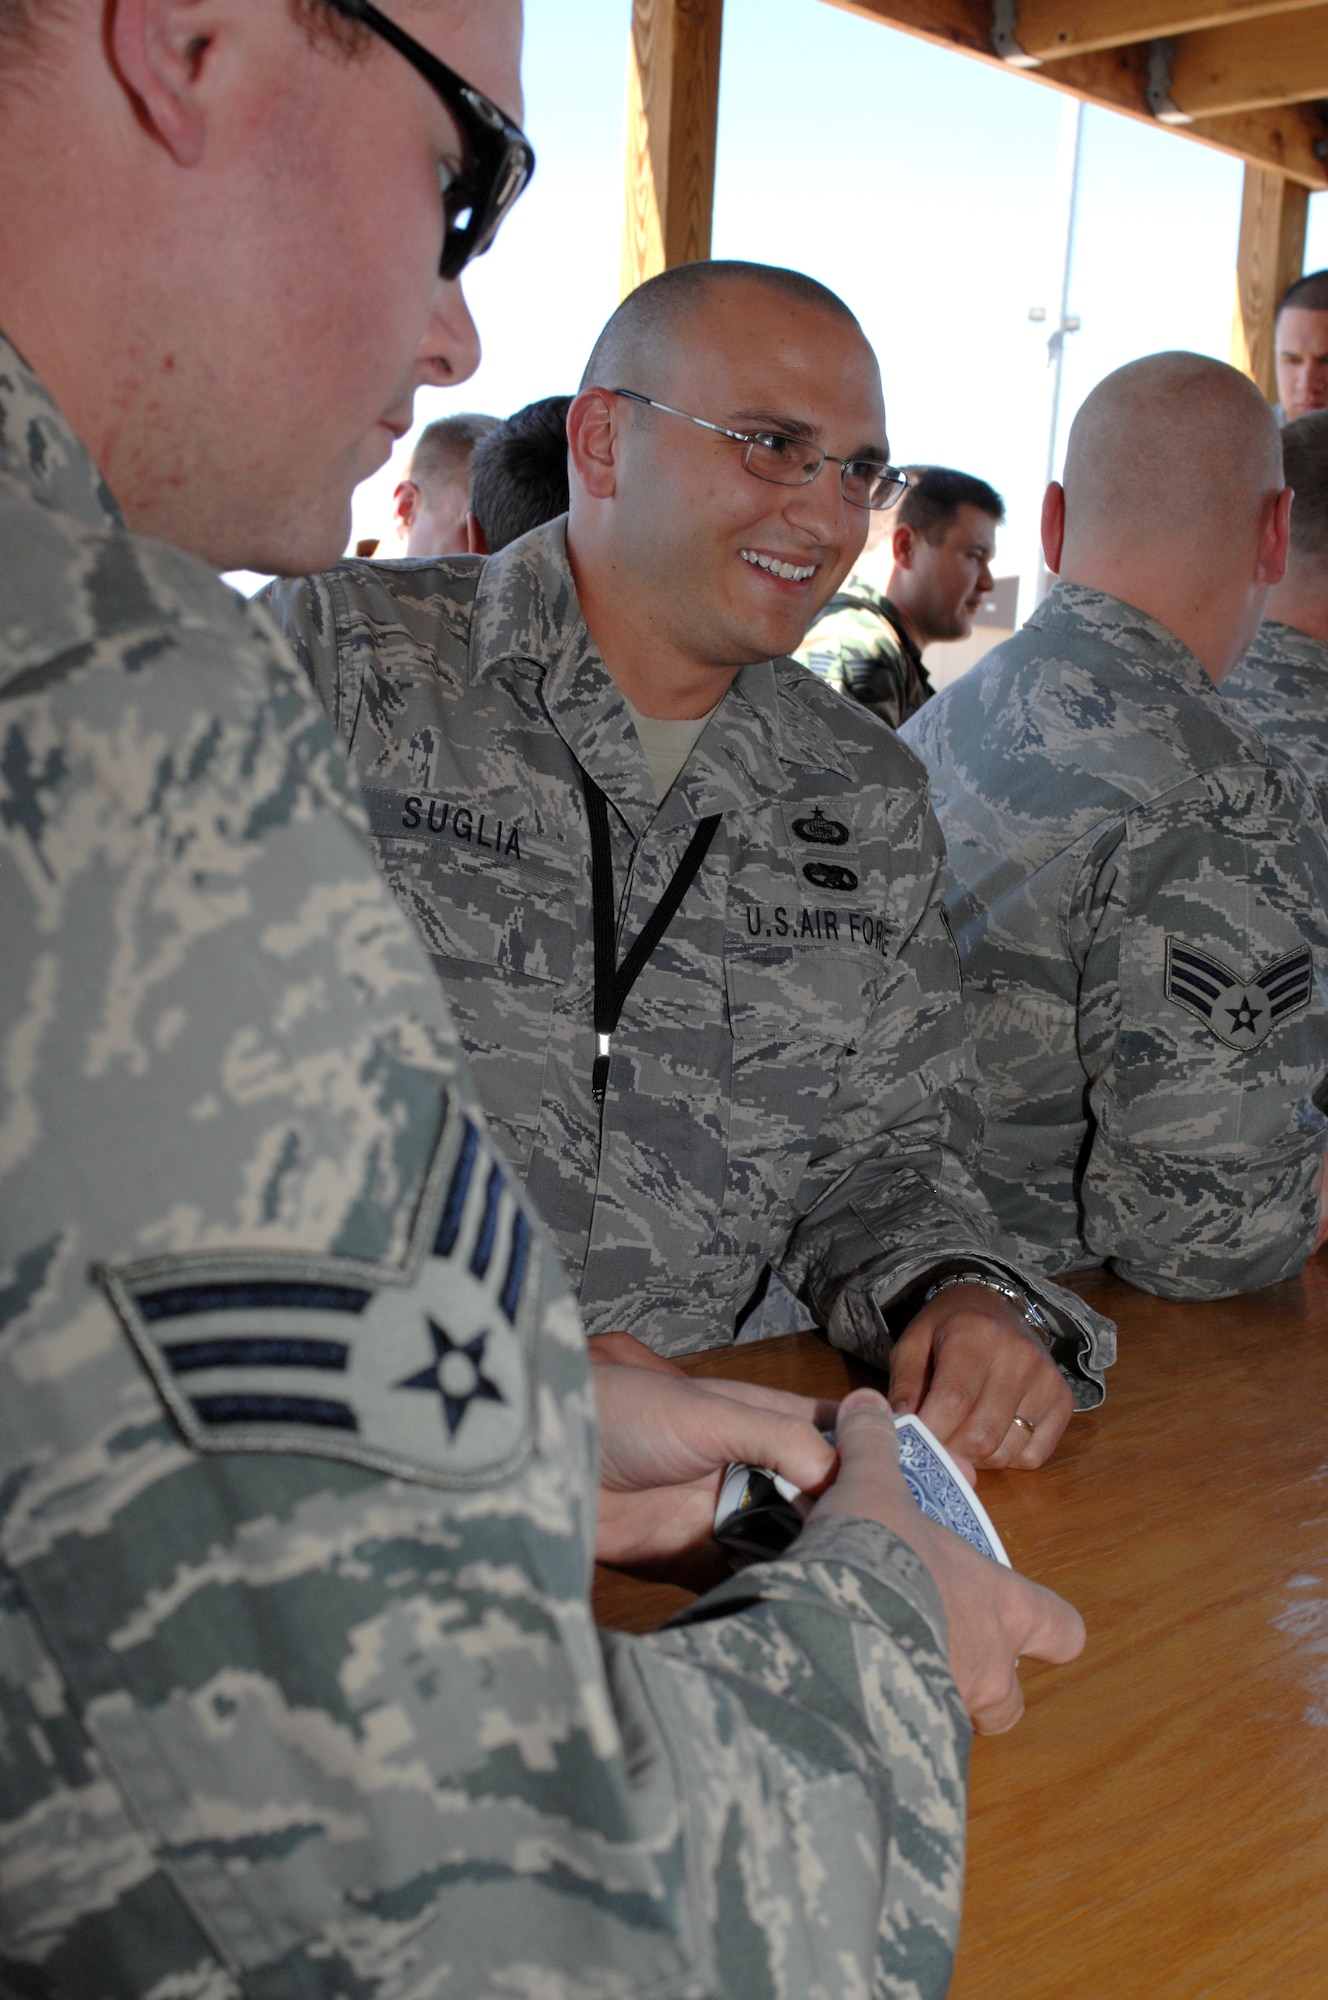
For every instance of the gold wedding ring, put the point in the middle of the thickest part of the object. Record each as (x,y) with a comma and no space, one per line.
(1024,1425)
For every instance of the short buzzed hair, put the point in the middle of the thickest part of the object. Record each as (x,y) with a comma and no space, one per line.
(649,318)
(442,451)
(1305,452)
(935,495)
(1310,293)
(1174,450)
(518,476)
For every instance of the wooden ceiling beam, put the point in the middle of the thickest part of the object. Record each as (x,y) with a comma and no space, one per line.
(672,127)
(1047,30)
(1283,138)
(1271,256)
(1252,66)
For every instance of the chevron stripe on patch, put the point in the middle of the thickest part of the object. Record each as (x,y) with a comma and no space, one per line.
(1240,1012)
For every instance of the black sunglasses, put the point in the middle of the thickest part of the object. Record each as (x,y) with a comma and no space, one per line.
(499,157)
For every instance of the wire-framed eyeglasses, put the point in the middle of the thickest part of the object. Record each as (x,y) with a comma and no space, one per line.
(499,158)
(794,461)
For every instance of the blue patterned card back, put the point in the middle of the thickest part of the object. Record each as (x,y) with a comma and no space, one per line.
(941,1491)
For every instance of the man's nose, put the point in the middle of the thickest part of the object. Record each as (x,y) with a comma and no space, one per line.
(450,349)
(819,508)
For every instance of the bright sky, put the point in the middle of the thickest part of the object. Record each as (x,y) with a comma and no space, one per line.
(913,181)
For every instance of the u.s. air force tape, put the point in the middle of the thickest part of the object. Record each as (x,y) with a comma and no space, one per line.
(423,1371)
(1242,1013)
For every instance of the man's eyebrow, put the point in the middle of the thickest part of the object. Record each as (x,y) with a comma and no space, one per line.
(799,427)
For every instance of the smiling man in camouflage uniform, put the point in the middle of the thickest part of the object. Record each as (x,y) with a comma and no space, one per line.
(299,1689)
(790,1081)
(1138,886)
(1281,685)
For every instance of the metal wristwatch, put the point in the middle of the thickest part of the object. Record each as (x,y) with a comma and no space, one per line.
(1032,1312)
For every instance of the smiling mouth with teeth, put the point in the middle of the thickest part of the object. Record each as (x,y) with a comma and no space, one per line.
(791,572)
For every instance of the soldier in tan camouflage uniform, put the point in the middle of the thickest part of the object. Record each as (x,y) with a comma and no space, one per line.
(1281,685)
(920,579)
(791,1081)
(299,1690)
(1138,886)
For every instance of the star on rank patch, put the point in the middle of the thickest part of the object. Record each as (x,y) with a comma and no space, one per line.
(456,1375)
(1241,1013)
(265,1351)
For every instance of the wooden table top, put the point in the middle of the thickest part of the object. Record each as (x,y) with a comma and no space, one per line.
(1156,1828)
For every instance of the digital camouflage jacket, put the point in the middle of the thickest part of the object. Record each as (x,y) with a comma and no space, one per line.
(1137,888)
(1281,688)
(791,1082)
(300,1696)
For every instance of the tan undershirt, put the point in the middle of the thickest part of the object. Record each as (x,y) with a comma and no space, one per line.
(667,745)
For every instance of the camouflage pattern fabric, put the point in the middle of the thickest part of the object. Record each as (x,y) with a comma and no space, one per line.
(1281,689)
(1137,890)
(300,1697)
(792,1081)
(859,647)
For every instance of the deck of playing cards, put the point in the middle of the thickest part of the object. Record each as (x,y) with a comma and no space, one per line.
(758,1514)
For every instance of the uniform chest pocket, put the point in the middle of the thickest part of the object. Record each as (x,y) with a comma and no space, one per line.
(794,1012)
(499,922)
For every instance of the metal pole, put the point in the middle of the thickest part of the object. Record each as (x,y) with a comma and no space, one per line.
(1065,205)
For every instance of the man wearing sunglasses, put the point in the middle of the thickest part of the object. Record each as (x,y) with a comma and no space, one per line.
(299,1689)
(684,900)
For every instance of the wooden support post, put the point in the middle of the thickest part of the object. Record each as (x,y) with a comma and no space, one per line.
(1271,256)
(672,121)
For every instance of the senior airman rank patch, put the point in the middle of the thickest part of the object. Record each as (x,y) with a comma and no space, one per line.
(422,1371)
(1242,1013)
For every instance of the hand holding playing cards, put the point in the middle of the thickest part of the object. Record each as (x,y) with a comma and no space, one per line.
(665,1441)
(994,1616)
(968,1365)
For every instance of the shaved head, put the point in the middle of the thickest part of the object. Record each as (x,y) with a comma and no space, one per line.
(1175,451)
(639,341)
(1173,501)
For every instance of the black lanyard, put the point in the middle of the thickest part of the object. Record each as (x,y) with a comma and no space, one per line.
(614,982)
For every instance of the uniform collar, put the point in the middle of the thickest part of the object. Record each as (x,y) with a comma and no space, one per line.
(1130,633)
(526,608)
(1276,641)
(41,453)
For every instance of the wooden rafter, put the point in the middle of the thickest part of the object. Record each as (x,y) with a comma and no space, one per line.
(1271,256)
(672,120)
(1283,137)
(1251,65)
(1049,29)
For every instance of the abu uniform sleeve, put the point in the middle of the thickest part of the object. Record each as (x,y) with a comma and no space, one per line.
(300,1694)
(1204,1034)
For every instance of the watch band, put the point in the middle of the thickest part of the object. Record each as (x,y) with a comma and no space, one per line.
(1031,1311)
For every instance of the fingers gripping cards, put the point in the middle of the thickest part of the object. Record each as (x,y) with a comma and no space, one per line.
(759,1513)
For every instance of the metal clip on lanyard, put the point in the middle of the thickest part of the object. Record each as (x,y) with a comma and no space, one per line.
(614,982)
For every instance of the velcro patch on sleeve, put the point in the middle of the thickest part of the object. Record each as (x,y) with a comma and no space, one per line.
(423,1371)
(1240,1012)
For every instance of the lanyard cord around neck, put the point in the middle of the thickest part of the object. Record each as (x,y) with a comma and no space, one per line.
(614,982)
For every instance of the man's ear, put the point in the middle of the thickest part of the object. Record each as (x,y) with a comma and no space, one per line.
(1053,525)
(476,543)
(902,543)
(405,506)
(1275,538)
(161,50)
(592,439)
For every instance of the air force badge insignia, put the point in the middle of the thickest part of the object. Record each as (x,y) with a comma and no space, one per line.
(1241,1013)
(422,1371)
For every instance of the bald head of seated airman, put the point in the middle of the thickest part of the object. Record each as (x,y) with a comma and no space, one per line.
(1174,501)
